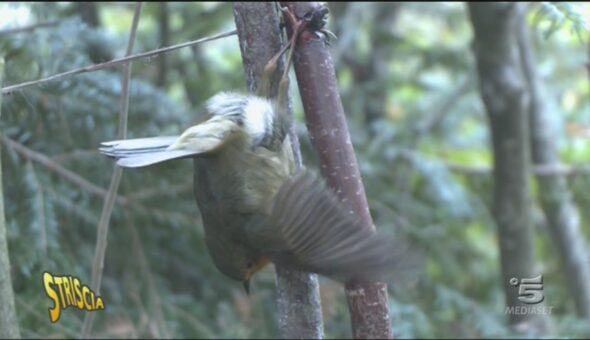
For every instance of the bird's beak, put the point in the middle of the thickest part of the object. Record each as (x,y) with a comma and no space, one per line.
(263,261)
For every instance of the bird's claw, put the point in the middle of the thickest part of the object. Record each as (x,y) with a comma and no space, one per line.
(314,20)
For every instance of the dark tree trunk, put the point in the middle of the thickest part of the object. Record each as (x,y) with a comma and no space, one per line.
(328,131)
(88,12)
(164,32)
(562,214)
(503,91)
(8,320)
(298,299)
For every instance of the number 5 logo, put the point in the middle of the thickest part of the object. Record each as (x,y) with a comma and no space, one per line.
(529,290)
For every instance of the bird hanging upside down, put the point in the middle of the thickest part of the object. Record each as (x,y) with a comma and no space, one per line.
(256,207)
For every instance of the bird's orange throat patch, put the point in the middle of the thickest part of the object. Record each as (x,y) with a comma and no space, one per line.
(261,263)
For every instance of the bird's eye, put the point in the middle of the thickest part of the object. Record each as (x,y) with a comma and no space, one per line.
(250,264)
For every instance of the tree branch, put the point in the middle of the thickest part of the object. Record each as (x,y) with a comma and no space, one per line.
(298,298)
(328,131)
(109,202)
(114,62)
(56,168)
(28,28)
(538,170)
(504,95)
(132,201)
(562,214)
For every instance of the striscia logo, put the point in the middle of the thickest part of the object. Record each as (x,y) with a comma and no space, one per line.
(67,291)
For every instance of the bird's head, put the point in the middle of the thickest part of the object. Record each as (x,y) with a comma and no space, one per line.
(232,114)
(235,261)
(254,114)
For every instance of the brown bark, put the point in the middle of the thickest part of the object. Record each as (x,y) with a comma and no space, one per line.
(328,131)
(8,320)
(298,301)
(505,98)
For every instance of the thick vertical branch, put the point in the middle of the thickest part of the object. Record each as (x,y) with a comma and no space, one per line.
(260,39)
(8,320)
(504,94)
(110,199)
(298,300)
(561,212)
(328,131)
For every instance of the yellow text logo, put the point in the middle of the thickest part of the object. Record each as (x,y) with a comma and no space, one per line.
(67,291)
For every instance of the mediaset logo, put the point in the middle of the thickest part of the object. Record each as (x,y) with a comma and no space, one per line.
(530,292)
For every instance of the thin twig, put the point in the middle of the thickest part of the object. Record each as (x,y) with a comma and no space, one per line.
(539,170)
(91,188)
(114,62)
(109,202)
(28,28)
(556,169)
(56,168)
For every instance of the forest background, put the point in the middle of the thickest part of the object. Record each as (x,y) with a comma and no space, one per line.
(410,84)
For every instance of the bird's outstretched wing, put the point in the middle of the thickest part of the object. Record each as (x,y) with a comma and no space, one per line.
(202,138)
(320,235)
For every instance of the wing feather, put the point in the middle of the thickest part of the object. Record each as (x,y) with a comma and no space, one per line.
(322,236)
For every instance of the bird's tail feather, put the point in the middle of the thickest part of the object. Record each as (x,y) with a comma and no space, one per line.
(202,138)
(139,152)
(136,144)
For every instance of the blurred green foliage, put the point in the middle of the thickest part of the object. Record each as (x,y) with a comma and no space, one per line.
(408,84)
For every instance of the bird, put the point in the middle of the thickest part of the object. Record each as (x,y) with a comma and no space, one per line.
(256,206)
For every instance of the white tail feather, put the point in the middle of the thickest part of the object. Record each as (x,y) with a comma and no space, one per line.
(141,143)
(134,153)
(145,159)
(205,137)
